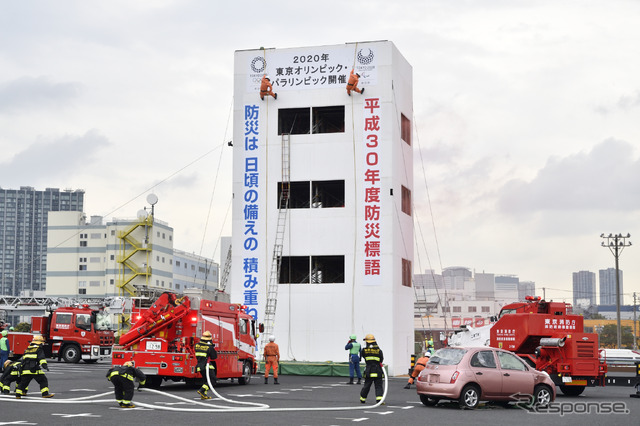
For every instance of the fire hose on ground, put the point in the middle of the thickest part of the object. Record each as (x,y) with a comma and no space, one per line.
(210,408)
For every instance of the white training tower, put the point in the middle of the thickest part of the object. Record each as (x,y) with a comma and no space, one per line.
(344,238)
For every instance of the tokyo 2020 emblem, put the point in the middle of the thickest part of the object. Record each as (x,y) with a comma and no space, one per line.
(365,56)
(258,64)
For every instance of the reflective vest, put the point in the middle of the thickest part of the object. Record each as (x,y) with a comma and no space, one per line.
(204,350)
(355,348)
(33,359)
(128,373)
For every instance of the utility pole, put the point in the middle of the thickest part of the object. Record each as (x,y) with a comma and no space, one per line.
(617,243)
(635,333)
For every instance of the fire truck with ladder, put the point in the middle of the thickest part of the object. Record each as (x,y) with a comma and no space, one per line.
(161,341)
(71,333)
(548,337)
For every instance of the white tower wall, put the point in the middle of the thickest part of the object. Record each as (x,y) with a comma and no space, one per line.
(313,320)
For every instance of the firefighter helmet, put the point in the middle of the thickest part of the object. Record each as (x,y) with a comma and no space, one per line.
(427,354)
(6,363)
(128,364)
(206,335)
(38,338)
(369,338)
(272,338)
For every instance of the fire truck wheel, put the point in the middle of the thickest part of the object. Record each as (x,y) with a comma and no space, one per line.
(193,383)
(71,353)
(542,396)
(154,382)
(469,397)
(246,374)
(572,390)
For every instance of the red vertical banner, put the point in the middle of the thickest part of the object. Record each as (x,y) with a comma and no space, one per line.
(371,183)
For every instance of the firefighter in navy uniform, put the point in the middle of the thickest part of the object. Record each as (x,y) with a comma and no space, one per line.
(33,362)
(11,374)
(373,357)
(206,355)
(122,377)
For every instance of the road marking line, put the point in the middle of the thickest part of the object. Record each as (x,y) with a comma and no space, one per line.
(361,419)
(246,395)
(75,415)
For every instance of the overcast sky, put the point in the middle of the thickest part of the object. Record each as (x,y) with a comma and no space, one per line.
(527,115)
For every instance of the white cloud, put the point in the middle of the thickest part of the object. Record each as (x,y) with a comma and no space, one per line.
(61,159)
(26,93)
(605,178)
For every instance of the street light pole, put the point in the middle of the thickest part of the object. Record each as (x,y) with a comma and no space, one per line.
(635,333)
(617,243)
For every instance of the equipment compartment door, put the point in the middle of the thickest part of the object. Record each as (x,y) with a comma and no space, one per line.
(224,338)
(230,348)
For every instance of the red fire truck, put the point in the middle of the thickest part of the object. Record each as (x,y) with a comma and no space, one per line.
(71,334)
(550,338)
(161,341)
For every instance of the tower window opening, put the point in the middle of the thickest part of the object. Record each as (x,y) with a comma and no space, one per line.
(326,194)
(299,195)
(406,200)
(294,270)
(294,121)
(407,272)
(327,269)
(405,131)
(328,119)
(311,270)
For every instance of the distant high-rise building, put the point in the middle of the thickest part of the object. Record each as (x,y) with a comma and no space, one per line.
(506,287)
(428,280)
(526,288)
(608,286)
(23,234)
(455,276)
(584,288)
(485,286)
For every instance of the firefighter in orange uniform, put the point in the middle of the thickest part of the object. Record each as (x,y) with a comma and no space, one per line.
(266,88)
(33,362)
(122,378)
(271,359)
(353,83)
(421,363)
(206,355)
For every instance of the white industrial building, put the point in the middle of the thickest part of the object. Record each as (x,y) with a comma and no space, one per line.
(127,257)
(323,182)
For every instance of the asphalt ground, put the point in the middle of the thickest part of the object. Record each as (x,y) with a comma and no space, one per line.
(83,396)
